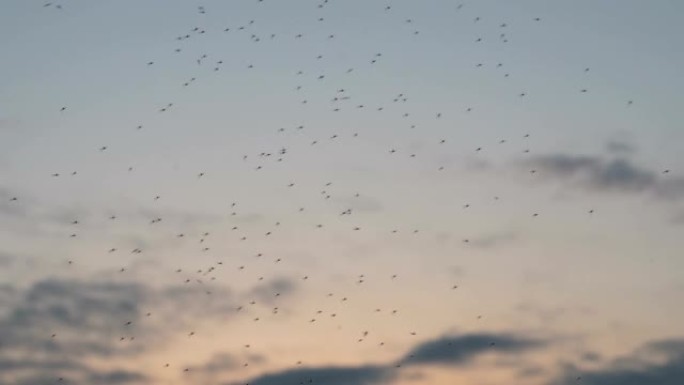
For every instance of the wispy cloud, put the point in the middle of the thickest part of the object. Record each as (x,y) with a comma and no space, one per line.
(618,175)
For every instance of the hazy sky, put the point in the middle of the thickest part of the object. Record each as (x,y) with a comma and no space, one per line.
(341,192)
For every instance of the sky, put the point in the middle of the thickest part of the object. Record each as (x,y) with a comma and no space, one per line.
(352,192)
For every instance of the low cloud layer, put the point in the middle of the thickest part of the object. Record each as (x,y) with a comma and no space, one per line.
(445,351)
(329,375)
(56,328)
(656,363)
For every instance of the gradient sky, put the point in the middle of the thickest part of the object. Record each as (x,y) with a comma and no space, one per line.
(441,192)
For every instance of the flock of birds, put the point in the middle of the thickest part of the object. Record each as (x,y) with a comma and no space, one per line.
(341,101)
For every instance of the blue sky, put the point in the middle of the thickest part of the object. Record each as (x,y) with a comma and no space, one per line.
(493,187)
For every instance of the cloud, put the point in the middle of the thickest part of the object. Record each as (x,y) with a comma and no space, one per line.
(29,370)
(462,349)
(179,305)
(267,293)
(591,357)
(84,377)
(9,364)
(97,321)
(596,172)
(449,351)
(223,364)
(116,377)
(79,313)
(656,363)
(606,175)
(329,375)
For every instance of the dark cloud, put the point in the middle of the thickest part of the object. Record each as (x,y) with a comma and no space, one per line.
(590,357)
(621,174)
(180,305)
(91,321)
(449,351)
(609,175)
(83,377)
(223,364)
(9,364)
(596,172)
(268,292)
(658,363)
(35,379)
(116,377)
(461,349)
(48,371)
(80,313)
(330,375)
